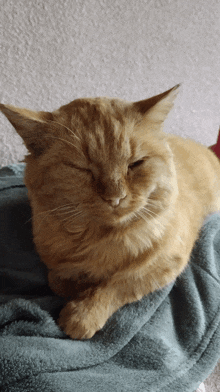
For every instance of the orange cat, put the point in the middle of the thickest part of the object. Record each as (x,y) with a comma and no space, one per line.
(117,204)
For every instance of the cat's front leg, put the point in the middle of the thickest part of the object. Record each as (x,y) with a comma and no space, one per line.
(87,309)
(81,319)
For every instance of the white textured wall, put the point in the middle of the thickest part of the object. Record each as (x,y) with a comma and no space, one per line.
(55,51)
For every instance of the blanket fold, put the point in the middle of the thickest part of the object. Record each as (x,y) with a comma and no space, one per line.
(167,342)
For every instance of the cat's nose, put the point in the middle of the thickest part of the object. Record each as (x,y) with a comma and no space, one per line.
(113,201)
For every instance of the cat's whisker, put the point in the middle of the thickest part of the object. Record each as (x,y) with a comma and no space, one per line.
(154,207)
(136,215)
(65,206)
(68,209)
(69,205)
(149,211)
(66,141)
(48,212)
(141,216)
(152,204)
(144,214)
(66,212)
(146,210)
(62,125)
(74,215)
(70,218)
(28,220)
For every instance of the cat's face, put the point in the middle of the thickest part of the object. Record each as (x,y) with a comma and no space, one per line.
(106,158)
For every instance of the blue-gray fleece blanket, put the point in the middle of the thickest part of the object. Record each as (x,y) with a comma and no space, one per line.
(167,342)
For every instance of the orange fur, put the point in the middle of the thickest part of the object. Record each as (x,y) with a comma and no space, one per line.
(117,204)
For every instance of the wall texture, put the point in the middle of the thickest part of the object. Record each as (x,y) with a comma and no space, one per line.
(55,51)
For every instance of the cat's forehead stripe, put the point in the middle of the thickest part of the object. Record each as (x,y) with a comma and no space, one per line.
(103,129)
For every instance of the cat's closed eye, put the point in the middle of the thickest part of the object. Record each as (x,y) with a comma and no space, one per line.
(136,164)
(74,166)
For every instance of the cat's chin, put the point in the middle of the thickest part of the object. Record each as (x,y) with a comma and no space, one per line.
(117,219)
(128,214)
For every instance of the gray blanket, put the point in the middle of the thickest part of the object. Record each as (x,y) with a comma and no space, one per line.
(167,342)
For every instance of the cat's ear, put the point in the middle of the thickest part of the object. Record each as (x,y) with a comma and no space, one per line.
(30,125)
(154,110)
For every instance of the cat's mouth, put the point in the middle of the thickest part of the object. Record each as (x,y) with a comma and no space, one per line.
(142,210)
(121,215)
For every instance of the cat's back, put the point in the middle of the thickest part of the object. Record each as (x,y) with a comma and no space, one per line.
(197,168)
(190,152)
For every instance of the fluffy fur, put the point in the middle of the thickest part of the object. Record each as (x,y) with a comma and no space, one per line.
(117,204)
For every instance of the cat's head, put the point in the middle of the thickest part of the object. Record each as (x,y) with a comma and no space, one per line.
(108,158)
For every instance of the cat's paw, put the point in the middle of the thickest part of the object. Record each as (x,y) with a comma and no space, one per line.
(78,322)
